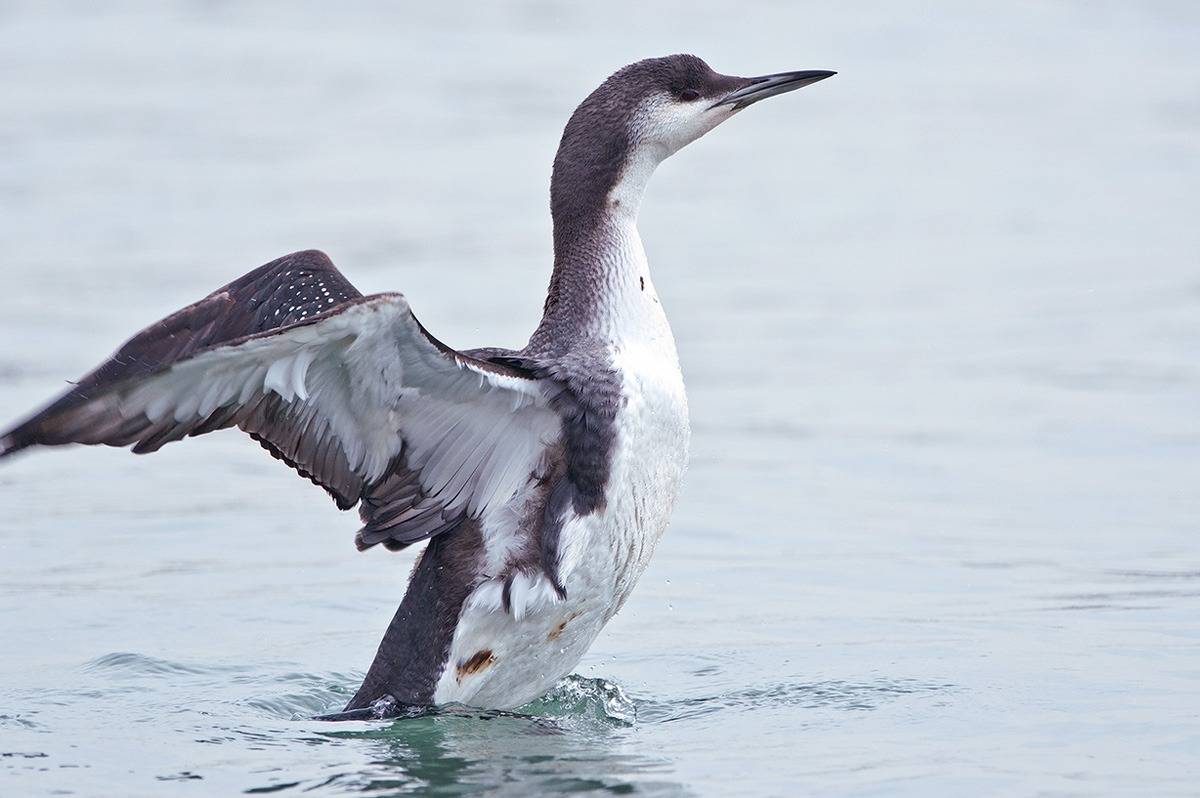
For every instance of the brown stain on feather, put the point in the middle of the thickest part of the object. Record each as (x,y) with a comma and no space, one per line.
(562,625)
(477,662)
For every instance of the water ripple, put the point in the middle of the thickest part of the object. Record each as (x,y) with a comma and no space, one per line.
(141,664)
(830,694)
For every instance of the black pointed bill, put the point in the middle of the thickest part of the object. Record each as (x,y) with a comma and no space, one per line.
(769,85)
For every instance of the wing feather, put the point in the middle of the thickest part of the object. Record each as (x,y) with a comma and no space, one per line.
(350,391)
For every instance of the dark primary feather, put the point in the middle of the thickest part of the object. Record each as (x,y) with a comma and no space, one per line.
(284,291)
(289,290)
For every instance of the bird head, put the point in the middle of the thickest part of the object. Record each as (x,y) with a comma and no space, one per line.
(644,113)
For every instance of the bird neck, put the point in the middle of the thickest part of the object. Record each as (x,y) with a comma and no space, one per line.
(600,290)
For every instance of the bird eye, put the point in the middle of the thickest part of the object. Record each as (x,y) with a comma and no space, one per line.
(689,95)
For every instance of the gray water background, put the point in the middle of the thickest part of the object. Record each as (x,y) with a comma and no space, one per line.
(939,319)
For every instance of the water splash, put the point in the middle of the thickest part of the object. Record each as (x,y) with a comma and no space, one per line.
(575,698)
(592,699)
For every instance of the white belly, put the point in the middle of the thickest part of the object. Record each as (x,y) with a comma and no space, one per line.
(501,661)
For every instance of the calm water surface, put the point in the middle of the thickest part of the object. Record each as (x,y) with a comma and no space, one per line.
(939,319)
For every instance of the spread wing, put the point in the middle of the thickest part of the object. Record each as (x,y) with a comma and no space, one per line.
(350,391)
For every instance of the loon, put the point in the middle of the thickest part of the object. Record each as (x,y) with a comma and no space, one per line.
(541,478)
